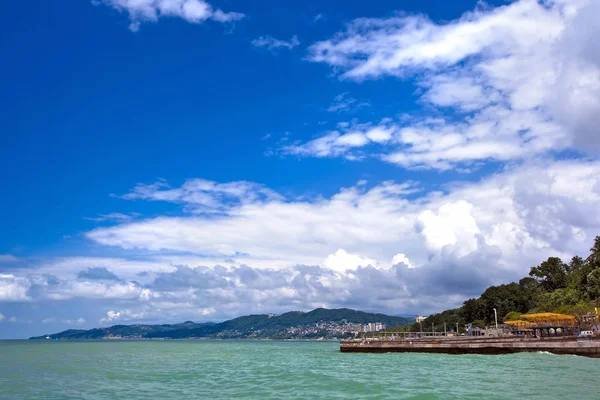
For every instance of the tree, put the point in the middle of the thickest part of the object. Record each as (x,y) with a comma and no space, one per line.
(594,257)
(478,323)
(529,284)
(576,264)
(593,284)
(551,274)
(472,309)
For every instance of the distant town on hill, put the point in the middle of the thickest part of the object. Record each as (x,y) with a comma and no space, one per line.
(320,323)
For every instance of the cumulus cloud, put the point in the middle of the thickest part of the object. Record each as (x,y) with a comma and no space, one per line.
(278,230)
(401,258)
(510,209)
(472,70)
(270,43)
(13,288)
(451,224)
(193,11)
(342,261)
(575,97)
(110,316)
(46,287)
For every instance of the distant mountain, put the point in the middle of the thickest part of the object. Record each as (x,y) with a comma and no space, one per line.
(140,331)
(320,322)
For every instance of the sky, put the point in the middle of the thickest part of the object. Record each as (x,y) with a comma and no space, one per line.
(173,160)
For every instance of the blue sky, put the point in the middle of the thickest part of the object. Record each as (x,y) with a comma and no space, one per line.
(180,159)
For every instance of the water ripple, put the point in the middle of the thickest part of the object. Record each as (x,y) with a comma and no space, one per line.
(291,370)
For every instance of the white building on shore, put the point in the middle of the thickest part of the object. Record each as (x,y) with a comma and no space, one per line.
(373,327)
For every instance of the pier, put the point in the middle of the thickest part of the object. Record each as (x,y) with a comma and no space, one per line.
(588,347)
(554,333)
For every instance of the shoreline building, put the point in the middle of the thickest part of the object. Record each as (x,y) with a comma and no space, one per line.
(373,327)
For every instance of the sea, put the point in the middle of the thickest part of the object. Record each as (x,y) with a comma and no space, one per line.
(224,369)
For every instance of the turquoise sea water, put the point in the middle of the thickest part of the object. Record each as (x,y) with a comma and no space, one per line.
(280,370)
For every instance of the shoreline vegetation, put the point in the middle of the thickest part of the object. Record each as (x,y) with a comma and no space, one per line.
(554,286)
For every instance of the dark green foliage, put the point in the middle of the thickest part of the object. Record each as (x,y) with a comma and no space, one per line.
(593,284)
(512,316)
(551,274)
(478,323)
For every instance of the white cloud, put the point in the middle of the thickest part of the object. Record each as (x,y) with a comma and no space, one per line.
(271,43)
(373,47)
(341,142)
(13,288)
(342,261)
(464,93)
(452,224)
(343,102)
(143,313)
(193,11)
(119,217)
(509,210)
(103,290)
(2,317)
(277,230)
(514,82)
(111,316)
(575,98)
(401,258)
(204,196)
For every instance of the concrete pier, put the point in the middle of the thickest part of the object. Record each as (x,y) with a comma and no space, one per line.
(588,347)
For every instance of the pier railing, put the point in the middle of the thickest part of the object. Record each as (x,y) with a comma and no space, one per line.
(404,335)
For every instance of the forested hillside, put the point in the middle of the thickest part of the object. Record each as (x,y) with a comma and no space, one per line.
(553,286)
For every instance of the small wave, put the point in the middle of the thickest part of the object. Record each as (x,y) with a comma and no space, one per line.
(546,352)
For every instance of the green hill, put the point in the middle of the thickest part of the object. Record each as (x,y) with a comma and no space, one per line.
(319,322)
